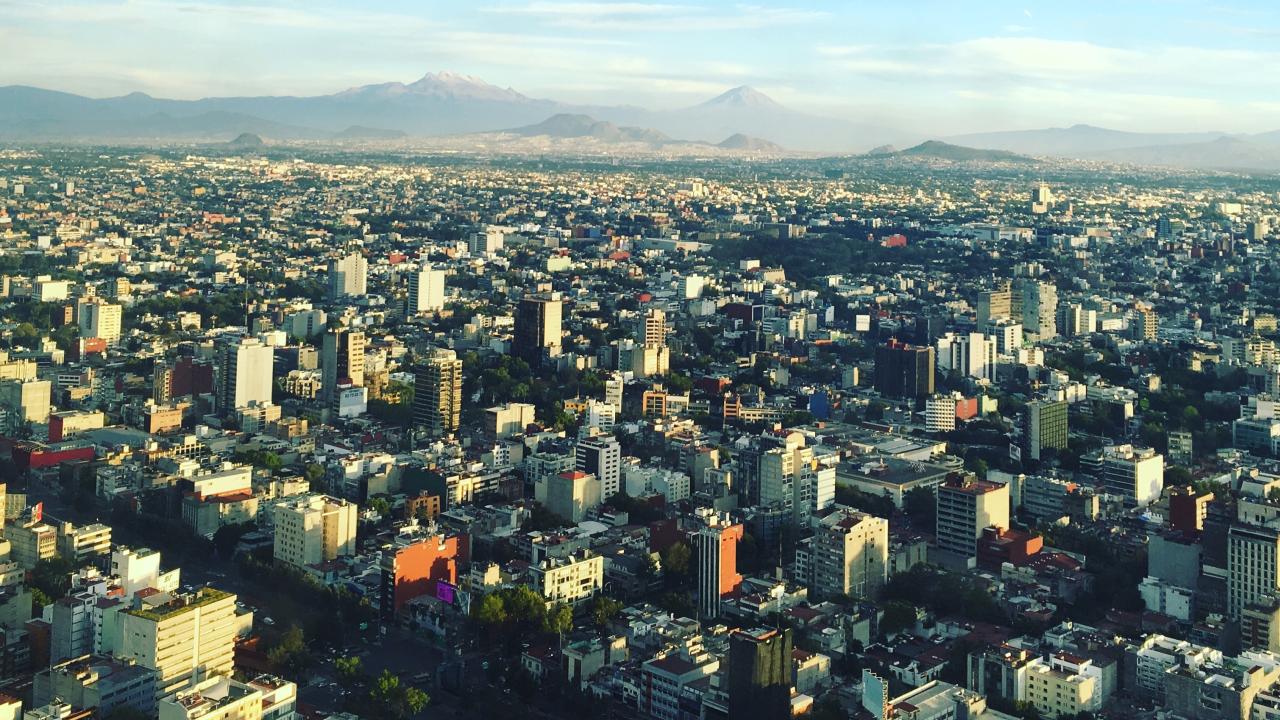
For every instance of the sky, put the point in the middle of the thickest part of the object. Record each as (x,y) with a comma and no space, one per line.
(940,67)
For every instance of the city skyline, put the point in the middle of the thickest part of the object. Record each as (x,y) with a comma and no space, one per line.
(930,68)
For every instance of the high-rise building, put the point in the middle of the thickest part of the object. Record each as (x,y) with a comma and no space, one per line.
(1040,309)
(904,371)
(601,455)
(760,674)
(1046,426)
(717,547)
(437,393)
(965,507)
(426,290)
(416,563)
(99,319)
(245,368)
(1135,474)
(1253,567)
(994,304)
(613,387)
(503,421)
(485,243)
(847,555)
(571,494)
(971,355)
(1146,323)
(653,328)
(341,362)
(1041,199)
(348,276)
(185,638)
(311,529)
(537,327)
(27,401)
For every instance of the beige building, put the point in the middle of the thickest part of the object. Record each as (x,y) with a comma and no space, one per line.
(847,555)
(965,507)
(217,698)
(28,401)
(313,529)
(504,421)
(185,638)
(1064,685)
(569,580)
(571,494)
(99,319)
(31,541)
(78,544)
(437,393)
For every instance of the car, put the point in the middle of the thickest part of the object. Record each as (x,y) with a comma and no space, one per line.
(268,621)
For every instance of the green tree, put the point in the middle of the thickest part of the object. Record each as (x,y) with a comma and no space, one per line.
(393,700)
(677,562)
(603,610)
(315,477)
(290,653)
(558,620)
(350,670)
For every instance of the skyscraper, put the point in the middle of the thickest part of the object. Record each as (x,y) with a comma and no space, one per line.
(426,290)
(717,548)
(437,393)
(245,369)
(601,455)
(1046,426)
(183,638)
(760,674)
(965,507)
(847,555)
(904,371)
(1040,309)
(341,361)
(99,319)
(348,276)
(994,304)
(653,329)
(537,330)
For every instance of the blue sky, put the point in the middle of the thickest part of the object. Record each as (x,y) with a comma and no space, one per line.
(938,67)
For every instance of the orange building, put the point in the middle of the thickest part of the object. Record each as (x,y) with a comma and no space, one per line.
(717,545)
(416,565)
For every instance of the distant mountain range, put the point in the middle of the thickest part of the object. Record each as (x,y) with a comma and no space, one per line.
(449,107)
(938,150)
(437,104)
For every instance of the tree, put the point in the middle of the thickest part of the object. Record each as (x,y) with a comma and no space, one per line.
(490,612)
(52,576)
(290,653)
(394,700)
(350,670)
(921,506)
(315,476)
(676,561)
(603,610)
(558,620)
(898,616)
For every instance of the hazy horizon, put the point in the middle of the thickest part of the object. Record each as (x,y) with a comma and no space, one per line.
(928,67)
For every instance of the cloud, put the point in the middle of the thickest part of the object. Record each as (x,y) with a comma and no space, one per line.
(658,17)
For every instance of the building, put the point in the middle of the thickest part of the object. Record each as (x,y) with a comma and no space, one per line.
(601,455)
(760,674)
(244,375)
(1181,448)
(570,495)
(504,421)
(665,678)
(716,544)
(31,540)
(80,544)
(63,425)
(139,569)
(568,580)
(417,562)
(1188,508)
(1040,309)
(426,290)
(904,371)
(942,411)
(848,554)
(184,637)
(1135,474)
(215,698)
(341,363)
(969,355)
(994,304)
(437,393)
(312,529)
(99,319)
(1064,685)
(101,682)
(965,507)
(27,401)
(1046,427)
(537,327)
(1041,199)
(348,276)
(1253,567)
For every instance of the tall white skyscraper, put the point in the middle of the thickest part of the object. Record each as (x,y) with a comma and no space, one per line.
(972,354)
(426,290)
(245,368)
(348,276)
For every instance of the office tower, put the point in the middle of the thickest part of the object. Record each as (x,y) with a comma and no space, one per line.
(601,455)
(847,555)
(426,290)
(244,375)
(1164,228)
(717,547)
(1181,448)
(506,420)
(613,387)
(760,674)
(994,304)
(971,355)
(1040,309)
(1007,333)
(184,637)
(571,494)
(31,540)
(27,401)
(929,328)
(1070,320)
(965,507)
(904,371)
(1041,199)
(1256,230)
(312,529)
(1146,323)
(653,328)
(1135,474)
(341,362)
(1046,426)
(348,276)
(1253,567)
(437,393)
(162,382)
(537,327)
(485,243)
(99,319)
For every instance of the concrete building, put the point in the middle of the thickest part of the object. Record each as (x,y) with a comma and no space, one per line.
(80,544)
(101,682)
(965,507)
(341,363)
(1046,427)
(312,529)
(1253,567)
(244,374)
(139,569)
(571,494)
(27,401)
(214,698)
(185,638)
(416,563)
(1040,309)
(99,319)
(904,371)
(568,580)
(503,421)
(348,276)
(760,674)
(1136,474)
(601,455)
(31,541)
(847,555)
(437,398)
(1064,685)
(716,544)
(538,327)
(969,355)
(426,290)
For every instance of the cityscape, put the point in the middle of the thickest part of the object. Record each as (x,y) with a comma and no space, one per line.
(443,400)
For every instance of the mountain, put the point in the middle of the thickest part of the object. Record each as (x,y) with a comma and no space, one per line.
(1224,153)
(938,150)
(1075,141)
(743,96)
(443,85)
(738,141)
(569,125)
(246,141)
(360,132)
